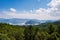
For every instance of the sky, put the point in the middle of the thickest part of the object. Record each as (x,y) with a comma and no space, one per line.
(30,9)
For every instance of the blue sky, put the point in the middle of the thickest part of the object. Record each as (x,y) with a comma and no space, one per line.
(30,9)
(23,4)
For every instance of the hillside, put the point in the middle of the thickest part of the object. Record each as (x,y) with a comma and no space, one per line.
(44,31)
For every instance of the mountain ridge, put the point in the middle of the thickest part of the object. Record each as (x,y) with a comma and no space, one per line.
(15,21)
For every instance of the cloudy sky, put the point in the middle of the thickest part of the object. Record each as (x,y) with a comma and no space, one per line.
(30,9)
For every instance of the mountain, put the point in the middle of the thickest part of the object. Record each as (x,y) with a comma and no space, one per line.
(57,22)
(32,22)
(16,21)
(13,21)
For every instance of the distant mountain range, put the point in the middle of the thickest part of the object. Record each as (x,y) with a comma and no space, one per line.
(16,21)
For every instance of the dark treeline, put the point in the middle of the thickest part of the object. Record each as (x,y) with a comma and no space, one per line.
(46,31)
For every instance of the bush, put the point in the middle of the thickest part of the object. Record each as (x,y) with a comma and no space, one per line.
(4,37)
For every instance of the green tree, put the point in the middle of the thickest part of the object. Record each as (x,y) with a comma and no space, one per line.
(28,33)
(4,37)
(51,29)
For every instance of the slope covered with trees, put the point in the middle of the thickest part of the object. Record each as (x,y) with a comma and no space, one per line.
(45,31)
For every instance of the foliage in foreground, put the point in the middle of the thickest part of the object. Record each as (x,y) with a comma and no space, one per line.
(49,31)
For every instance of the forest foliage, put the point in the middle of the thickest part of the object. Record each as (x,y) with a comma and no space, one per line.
(44,31)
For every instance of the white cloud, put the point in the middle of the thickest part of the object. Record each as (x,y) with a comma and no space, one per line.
(54,3)
(52,13)
(12,10)
(40,14)
(55,8)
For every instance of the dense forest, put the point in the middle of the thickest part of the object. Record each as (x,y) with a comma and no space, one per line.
(44,31)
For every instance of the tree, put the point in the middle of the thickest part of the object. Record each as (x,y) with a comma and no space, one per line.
(28,33)
(51,29)
(4,37)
